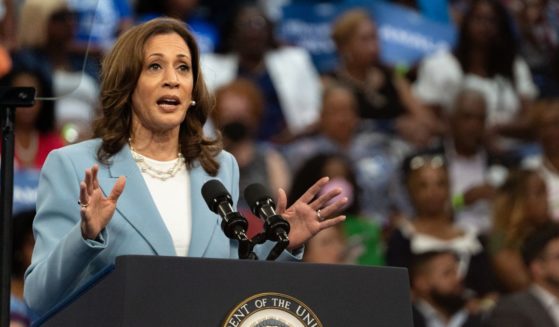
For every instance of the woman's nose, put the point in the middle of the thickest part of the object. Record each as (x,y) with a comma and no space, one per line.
(171,78)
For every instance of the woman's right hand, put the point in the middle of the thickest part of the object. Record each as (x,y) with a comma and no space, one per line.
(96,209)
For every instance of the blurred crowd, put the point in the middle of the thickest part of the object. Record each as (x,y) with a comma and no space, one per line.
(451,167)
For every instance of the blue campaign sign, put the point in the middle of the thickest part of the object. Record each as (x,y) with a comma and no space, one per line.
(308,25)
(25,190)
(405,35)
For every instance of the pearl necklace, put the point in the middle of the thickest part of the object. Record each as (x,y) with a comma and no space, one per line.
(162,175)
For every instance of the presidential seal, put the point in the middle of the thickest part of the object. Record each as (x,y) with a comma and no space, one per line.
(271,310)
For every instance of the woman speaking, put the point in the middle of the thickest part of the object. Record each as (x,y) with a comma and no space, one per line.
(135,188)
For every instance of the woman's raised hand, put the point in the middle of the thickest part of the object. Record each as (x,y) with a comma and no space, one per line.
(96,209)
(309,215)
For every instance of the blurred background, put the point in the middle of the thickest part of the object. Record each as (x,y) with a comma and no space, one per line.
(438,119)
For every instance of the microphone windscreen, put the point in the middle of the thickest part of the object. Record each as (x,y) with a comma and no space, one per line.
(255,193)
(212,190)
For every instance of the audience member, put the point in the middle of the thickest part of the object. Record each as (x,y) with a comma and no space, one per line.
(219,11)
(205,32)
(545,124)
(485,57)
(46,35)
(382,95)
(438,291)
(239,107)
(374,156)
(363,243)
(328,246)
(337,128)
(539,40)
(520,207)
(285,75)
(474,173)
(35,132)
(537,306)
(432,228)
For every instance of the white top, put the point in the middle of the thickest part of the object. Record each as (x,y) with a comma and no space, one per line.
(465,173)
(550,302)
(172,199)
(464,246)
(440,77)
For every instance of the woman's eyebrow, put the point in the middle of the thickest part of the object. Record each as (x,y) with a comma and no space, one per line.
(157,54)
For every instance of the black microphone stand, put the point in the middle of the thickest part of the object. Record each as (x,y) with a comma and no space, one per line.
(276,229)
(246,247)
(281,244)
(234,226)
(10,98)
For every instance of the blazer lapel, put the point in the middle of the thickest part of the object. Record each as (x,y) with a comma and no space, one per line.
(204,222)
(136,204)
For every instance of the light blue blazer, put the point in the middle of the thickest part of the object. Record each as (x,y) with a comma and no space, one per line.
(63,261)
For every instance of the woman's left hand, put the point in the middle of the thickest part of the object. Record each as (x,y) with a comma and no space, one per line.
(308,216)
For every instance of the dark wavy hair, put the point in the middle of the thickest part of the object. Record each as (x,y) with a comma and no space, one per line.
(120,71)
(46,120)
(535,245)
(502,52)
(510,220)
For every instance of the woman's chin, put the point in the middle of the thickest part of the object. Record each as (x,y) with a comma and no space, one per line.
(165,126)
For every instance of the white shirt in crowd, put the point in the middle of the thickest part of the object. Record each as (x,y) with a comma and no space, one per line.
(465,173)
(440,78)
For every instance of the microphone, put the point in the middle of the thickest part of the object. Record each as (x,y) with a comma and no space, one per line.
(261,204)
(218,199)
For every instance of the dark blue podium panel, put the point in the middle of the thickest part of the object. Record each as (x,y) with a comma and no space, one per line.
(171,291)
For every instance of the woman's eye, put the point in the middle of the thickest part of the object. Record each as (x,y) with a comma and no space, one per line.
(184,68)
(154,66)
